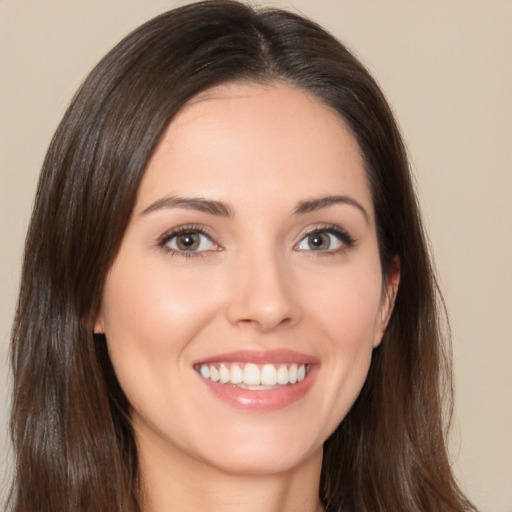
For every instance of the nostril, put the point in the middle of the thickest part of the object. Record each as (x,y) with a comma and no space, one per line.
(265,324)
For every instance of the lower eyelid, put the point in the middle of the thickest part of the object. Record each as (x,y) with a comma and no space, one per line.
(165,239)
(203,240)
(344,238)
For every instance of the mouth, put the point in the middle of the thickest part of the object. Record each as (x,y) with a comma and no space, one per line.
(259,381)
(254,376)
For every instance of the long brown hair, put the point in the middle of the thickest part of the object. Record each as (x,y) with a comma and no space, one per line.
(73,440)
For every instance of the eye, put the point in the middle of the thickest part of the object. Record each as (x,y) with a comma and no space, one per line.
(188,240)
(326,240)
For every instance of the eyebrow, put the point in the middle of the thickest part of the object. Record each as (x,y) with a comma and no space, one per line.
(323,202)
(221,209)
(191,203)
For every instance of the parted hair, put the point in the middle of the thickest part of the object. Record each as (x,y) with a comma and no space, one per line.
(73,440)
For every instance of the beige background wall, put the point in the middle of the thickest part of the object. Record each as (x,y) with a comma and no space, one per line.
(446,67)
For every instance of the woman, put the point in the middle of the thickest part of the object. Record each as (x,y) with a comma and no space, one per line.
(227,300)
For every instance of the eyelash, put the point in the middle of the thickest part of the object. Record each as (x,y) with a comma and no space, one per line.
(343,236)
(164,240)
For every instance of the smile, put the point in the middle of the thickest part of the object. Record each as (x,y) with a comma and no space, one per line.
(254,376)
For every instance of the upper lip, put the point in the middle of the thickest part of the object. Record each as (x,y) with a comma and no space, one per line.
(278,356)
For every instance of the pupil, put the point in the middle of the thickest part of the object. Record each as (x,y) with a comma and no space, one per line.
(319,241)
(188,241)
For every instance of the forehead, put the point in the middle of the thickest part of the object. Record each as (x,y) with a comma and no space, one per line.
(240,137)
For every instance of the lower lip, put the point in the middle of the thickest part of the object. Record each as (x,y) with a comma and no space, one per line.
(262,399)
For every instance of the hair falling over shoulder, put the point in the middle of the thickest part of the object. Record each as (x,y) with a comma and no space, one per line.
(73,441)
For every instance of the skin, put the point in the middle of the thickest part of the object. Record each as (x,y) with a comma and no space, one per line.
(255,283)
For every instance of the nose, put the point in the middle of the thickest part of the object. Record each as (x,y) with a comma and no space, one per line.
(262,293)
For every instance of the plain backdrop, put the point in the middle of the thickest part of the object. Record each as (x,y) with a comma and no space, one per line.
(446,67)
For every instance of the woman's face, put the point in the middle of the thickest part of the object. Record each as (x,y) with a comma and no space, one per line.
(247,295)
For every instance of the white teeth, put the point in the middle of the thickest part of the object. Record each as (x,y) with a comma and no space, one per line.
(214,374)
(269,375)
(224,374)
(252,376)
(292,374)
(283,375)
(237,375)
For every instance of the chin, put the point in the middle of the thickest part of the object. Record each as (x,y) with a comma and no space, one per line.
(264,462)
(260,451)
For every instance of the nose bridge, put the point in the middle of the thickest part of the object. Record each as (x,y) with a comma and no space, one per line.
(261,290)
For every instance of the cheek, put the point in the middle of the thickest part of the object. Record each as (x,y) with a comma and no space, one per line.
(150,321)
(348,308)
(345,313)
(146,309)
(150,318)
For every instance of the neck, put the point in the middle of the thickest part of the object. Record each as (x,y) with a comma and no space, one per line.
(187,485)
